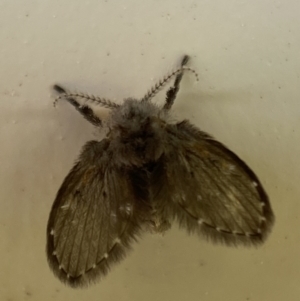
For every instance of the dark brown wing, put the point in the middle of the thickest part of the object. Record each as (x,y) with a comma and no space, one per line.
(93,219)
(209,190)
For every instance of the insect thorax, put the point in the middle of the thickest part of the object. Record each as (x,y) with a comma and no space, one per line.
(137,132)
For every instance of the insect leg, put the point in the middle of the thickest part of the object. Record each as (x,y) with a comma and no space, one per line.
(84,110)
(172,92)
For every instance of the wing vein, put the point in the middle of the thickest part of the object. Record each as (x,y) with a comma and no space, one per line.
(93,228)
(83,235)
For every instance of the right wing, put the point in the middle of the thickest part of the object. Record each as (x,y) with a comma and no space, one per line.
(210,190)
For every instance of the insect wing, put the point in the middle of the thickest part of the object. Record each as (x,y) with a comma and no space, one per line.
(209,190)
(92,220)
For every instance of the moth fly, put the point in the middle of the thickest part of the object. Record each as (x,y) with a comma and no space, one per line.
(146,173)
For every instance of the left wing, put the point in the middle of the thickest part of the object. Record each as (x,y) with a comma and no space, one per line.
(95,216)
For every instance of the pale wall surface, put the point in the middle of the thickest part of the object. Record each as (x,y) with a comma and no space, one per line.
(247,54)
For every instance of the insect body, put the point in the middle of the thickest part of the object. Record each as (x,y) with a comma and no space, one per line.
(145,174)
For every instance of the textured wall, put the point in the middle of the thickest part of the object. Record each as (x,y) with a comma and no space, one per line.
(248,97)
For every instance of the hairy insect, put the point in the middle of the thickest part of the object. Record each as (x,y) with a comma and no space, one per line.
(145,174)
